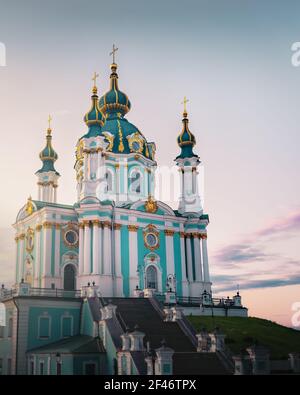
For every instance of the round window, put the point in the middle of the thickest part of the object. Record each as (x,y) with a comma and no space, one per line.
(71,237)
(152,240)
(136,146)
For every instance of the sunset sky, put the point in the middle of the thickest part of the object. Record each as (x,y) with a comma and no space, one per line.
(232,59)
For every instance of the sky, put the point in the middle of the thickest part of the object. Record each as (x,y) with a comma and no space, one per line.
(232,59)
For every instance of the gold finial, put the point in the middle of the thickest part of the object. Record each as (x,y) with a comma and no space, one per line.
(95,90)
(113,53)
(49,125)
(185,100)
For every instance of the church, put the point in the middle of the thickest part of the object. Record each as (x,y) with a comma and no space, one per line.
(84,271)
(116,234)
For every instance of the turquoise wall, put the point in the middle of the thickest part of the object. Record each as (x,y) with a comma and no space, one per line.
(55,315)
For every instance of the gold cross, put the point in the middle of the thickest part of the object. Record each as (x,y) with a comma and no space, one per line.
(113,53)
(95,78)
(49,122)
(185,100)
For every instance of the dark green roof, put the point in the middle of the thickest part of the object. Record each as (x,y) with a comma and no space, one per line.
(80,344)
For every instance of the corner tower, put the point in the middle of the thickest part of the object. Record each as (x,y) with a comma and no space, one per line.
(47,175)
(188,162)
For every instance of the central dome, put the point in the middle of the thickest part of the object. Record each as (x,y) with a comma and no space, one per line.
(122,136)
(114,100)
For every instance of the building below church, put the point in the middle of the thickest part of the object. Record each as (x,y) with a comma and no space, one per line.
(78,265)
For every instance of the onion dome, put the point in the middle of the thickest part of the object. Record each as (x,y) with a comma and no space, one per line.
(122,136)
(48,156)
(114,101)
(186,140)
(94,118)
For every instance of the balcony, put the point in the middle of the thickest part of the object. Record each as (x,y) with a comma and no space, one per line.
(25,290)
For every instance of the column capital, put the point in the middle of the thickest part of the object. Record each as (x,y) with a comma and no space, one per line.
(182,234)
(188,235)
(117,226)
(47,225)
(81,225)
(38,228)
(203,236)
(169,232)
(22,236)
(106,224)
(96,222)
(16,239)
(57,226)
(196,235)
(132,228)
(86,223)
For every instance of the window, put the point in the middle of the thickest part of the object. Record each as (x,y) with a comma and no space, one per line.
(90,369)
(135,182)
(41,368)
(67,326)
(32,368)
(10,327)
(44,327)
(58,368)
(108,179)
(1,332)
(151,277)
(9,366)
(69,278)
(1,366)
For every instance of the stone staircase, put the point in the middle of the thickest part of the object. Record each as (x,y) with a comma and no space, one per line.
(186,360)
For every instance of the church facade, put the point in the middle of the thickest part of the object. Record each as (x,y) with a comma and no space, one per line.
(116,236)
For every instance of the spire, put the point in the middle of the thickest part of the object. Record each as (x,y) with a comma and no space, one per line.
(114,101)
(48,156)
(186,140)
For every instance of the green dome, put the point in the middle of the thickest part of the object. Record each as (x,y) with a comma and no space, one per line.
(48,156)
(114,100)
(124,137)
(186,140)
(94,116)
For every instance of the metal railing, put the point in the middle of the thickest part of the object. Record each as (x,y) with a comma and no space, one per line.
(39,292)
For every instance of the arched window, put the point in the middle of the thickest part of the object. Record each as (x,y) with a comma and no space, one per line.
(69,278)
(151,278)
(135,181)
(109,182)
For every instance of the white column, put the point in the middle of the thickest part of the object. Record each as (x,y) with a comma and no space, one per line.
(107,248)
(96,247)
(87,248)
(55,194)
(170,251)
(38,255)
(17,260)
(133,257)
(81,248)
(189,257)
(197,254)
(117,233)
(205,259)
(47,229)
(183,257)
(57,251)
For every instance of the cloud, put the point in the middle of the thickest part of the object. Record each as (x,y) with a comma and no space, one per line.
(286,226)
(240,253)
(253,264)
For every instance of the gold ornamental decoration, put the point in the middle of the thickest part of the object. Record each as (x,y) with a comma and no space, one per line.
(151,205)
(29,206)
